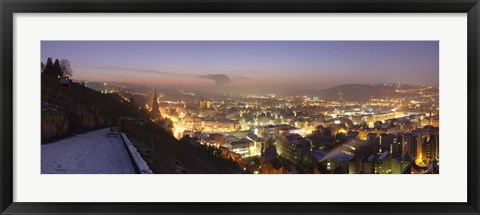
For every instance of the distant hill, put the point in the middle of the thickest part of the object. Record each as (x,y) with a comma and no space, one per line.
(349,92)
(356,92)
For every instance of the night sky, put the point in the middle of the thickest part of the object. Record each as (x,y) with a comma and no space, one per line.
(249,64)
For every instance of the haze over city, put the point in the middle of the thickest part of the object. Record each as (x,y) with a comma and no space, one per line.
(234,65)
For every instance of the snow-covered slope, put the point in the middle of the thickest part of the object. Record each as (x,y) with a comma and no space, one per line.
(93,152)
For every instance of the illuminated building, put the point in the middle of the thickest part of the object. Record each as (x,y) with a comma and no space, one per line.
(299,131)
(230,155)
(155,110)
(434,136)
(353,134)
(333,160)
(186,133)
(377,125)
(203,138)
(205,104)
(423,145)
(430,145)
(410,141)
(434,121)
(269,131)
(221,125)
(65,81)
(258,144)
(273,131)
(320,130)
(242,147)
(413,168)
(341,121)
(428,151)
(292,147)
(381,164)
(206,109)
(319,141)
(388,142)
(217,139)
(359,164)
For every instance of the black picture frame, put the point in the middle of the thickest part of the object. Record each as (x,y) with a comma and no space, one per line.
(9,7)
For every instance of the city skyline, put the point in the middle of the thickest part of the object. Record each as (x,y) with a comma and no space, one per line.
(240,107)
(233,65)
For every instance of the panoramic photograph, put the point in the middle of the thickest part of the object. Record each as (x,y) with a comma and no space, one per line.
(240,107)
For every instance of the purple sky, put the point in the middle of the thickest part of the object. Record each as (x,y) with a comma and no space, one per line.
(249,64)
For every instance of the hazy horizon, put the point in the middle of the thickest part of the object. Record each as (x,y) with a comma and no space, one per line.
(240,65)
(262,91)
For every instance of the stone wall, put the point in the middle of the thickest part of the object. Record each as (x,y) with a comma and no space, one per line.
(59,124)
(84,121)
(55,124)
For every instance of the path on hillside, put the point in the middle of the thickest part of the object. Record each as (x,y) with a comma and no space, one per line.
(90,153)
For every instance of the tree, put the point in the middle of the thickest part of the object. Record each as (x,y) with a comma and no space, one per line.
(47,68)
(61,68)
(66,68)
(57,69)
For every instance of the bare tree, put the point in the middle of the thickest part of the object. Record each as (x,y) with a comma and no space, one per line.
(66,68)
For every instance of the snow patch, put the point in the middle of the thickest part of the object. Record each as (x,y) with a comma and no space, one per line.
(141,164)
(94,152)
